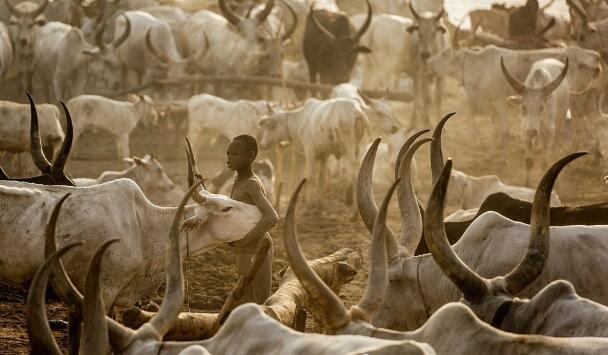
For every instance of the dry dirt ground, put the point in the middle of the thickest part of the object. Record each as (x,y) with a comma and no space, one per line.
(211,275)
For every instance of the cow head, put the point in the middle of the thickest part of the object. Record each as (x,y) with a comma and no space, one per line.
(25,18)
(105,66)
(381,114)
(150,174)
(345,47)
(533,100)
(428,26)
(274,129)
(261,39)
(145,108)
(167,67)
(488,297)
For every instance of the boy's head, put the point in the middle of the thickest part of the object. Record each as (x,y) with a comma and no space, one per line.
(242,151)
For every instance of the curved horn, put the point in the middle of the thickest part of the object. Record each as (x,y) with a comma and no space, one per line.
(262,15)
(547,5)
(549,88)
(249,10)
(580,12)
(95,330)
(101,29)
(174,290)
(336,313)
(375,291)
(518,86)
(230,15)
(194,173)
(365,198)
(411,217)
(531,265)
(436,150)
(405,147)
(39,10)
(318,25)
(38,330)
(14,10)
(440,14)
(294,23)
(123,37)
(160,56)
(35,143)
(473,287)
(591,84)
(366,24)
(414,13)
(66,146)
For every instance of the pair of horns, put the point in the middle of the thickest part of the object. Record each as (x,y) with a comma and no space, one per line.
(327,33)
(117,42)
(236,19)
(32,14)
(520,87)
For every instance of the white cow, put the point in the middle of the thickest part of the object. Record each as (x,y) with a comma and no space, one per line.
(15,127)
(116,209)
(387,38)
(222,118)
(148,174)
(544,101)
(468,192)
(175,17)
(320,129)
(379,113)
(116,117)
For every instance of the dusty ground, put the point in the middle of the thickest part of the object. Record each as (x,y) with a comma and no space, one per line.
(210,276)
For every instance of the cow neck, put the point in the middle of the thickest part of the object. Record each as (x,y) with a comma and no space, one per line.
(159,220)
(287,117)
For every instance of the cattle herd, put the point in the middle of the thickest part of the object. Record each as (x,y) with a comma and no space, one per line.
(509,270)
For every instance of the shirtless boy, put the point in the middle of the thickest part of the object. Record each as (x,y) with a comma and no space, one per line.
(248,188)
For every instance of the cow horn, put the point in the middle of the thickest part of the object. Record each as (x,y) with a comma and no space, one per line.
(531,265)
(549,88)
(436,150)
(152,49)
(518,86)
(470,284)
(174,290)
(590,86)
(123,37)
(318,25)
(35,143)
(579,11)
(38,330)
(414,13)
(14,10)
(365,198)
(411,217)
(366,24)
(336,312)
(262,15)
(405,147)
(39,10)
(375,291)
(547,5)
(101,29)
(294,24)
(440,14)
(250,9)
(230,15)
(66,146)
(194,173)
(455,37)
(95,329)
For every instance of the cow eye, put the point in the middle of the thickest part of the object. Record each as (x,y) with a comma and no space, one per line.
(226,209)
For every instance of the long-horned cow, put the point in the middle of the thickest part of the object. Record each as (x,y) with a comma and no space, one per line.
(544,101)
(330,46)
(26,17)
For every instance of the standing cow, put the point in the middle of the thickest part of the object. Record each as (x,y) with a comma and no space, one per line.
(543,99)
(320,129)
(330,47)
(116,117)
(23,25)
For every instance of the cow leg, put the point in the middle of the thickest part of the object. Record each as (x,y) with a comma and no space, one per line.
(427,101)
(415,107)
(122,146)
(74,320)
(439,83)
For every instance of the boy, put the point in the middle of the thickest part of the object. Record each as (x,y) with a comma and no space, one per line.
(248,188)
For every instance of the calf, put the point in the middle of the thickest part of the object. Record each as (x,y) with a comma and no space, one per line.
(116,117)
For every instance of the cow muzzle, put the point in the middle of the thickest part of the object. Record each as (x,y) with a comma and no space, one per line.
(425,55)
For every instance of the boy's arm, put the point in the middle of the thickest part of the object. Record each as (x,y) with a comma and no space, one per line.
(270,218)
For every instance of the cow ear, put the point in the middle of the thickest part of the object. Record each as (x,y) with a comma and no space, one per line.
(515,100)
(363,49)
(128,161)
(268,122)
(133,98)
(411,29)
(442,29)
(40,21)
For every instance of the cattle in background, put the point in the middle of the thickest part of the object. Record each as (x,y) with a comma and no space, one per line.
(176,18)
(148,174)
(590,34)
(26,18)
(222,118)
(468,192)
(117,117)
(330,46)
(429,37)
(334,127)
(6,50)
(544,102)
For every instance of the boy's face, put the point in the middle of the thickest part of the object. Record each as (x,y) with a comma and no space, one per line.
(237,156)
